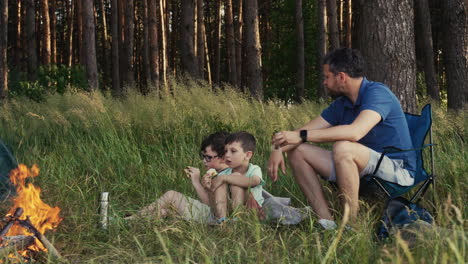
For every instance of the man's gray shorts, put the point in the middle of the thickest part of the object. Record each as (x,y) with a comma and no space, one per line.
(391,170)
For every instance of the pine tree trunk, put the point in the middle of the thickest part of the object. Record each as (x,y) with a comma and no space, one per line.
(15,11)
(217,44)
(252,68)
(347,23)
(90,44)
(116,88)
(53,32)
(129,42)
(3,48)
(30,38)
(46,42)
(187,31)
(146,54)
(105,43)
(164,41)
(333,25)
(386,39)
(322,44)
(424,20)
(79,32)
(231,45)
(200,39)
(70,10)
(153,43)
(173,39)
(239,25)
(455,51)
(300,74)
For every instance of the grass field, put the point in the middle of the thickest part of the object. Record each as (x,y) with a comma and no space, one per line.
(136,149)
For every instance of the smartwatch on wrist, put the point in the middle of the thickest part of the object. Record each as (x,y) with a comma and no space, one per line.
(303,135)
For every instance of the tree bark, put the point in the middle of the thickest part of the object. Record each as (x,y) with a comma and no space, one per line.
(200,39)
(71,10)
(129,42)
(333,31)
(106,61)
(386,39)
(455,51)
(79,32)
(300,74)
(116,88)
(164,41)
(424,20)
(90,44)
(16,37)
(46,40)
(153,43)
(187,31)
(53,32)
(239,25)
(347,23)
(3,48)
(147,87)
(322,45)
(217,44)
(231,45)
(30,38)
(253,62)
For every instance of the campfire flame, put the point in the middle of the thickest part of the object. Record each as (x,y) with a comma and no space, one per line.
(42,216)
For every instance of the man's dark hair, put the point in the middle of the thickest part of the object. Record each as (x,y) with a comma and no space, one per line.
(346,60)
(246,140)
(216,141)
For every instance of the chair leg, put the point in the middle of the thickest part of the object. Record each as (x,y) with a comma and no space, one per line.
(422,190)
(381,187)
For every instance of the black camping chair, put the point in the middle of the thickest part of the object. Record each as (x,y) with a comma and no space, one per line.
(419,126)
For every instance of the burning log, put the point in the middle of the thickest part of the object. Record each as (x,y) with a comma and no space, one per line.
(30,216)
(15,243)
(50,247)
(11,222)
(22,242)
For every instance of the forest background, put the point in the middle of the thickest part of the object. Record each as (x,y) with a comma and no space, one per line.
(115,95)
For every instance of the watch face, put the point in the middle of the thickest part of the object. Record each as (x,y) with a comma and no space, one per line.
(303,135)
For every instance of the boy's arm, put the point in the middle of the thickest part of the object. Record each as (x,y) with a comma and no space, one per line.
(236,179)
(194,174)
(201,192)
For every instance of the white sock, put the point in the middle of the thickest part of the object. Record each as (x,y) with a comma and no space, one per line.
(327,224)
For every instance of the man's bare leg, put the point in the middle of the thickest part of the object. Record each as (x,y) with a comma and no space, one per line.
(350,158)
(307,161)
(220,201)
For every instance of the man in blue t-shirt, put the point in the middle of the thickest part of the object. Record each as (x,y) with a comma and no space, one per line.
(365,118)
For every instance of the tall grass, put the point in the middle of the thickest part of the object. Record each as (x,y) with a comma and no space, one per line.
(136,148)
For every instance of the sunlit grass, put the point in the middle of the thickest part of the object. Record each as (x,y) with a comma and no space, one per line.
(136,148)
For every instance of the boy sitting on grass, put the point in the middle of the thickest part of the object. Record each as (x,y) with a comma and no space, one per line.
(243,179)
(177,204)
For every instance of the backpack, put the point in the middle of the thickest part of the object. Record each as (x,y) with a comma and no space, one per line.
(399,213)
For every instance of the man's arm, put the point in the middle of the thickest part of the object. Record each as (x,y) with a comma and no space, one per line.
(363,123)
(276,158)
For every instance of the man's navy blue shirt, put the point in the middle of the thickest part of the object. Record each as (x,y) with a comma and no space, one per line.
(391,131)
